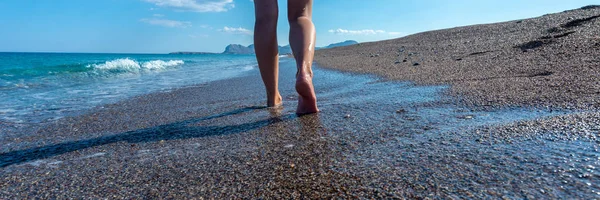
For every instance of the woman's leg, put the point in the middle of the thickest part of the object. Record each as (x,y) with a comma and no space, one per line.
(265,46)
(302,41)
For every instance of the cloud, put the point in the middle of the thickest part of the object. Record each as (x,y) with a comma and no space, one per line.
(240,30)
(362,32)
(167,23)
(158,15)
(195,5)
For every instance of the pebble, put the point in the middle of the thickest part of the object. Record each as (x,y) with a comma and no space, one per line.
(401,111)
(590,167)
(419,166)
(466,117)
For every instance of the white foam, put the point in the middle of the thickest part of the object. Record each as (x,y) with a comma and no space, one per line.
(93,155)
(124,64)
(248,68)
(159,64)
(37,163)
(21,85)
(75,91)
(132,66)
(54,164)
(7,110)
(12,119)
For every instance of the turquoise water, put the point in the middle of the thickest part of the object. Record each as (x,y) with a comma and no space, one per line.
(39,87)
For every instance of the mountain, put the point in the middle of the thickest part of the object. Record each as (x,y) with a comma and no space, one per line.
(191,53)
(283,50)
(238,49)
(341,44)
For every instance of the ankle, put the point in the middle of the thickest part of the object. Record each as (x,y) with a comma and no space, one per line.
(274,100)
(304,76)
(304,71)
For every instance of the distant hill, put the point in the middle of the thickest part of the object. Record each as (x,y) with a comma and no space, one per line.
(191,53)
(283,50)
(341,44)
(238,49)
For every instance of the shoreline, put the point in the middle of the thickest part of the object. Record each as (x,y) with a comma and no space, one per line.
(375,137)
(548,61)
(544,62)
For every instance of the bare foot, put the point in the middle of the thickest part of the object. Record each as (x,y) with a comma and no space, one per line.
(278,102)
(307,100)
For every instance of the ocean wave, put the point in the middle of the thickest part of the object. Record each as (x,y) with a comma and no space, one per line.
(126,65)
(159,64)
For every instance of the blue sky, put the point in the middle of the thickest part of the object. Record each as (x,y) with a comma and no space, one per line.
(161,26)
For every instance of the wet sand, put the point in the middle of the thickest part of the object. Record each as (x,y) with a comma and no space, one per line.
(375,138)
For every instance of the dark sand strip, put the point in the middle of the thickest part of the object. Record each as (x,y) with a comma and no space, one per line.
(373,139)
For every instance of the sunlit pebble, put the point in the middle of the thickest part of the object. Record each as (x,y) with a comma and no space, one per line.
(590,167)
(585,176)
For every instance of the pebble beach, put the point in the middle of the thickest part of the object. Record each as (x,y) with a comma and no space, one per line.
(505,110)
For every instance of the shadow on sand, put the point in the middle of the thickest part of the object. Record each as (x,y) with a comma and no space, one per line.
(173,131)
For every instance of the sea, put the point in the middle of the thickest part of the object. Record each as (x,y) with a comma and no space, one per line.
(44,87)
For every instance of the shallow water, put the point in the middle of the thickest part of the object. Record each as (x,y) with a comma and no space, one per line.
(415,137)
(42,87)
(373,138)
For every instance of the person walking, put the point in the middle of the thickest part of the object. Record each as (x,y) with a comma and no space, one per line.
(302,41)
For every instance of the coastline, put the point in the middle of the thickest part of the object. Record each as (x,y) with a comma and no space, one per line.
(375,138)
(548,61)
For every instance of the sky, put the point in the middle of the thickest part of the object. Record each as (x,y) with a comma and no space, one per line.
(162,26)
